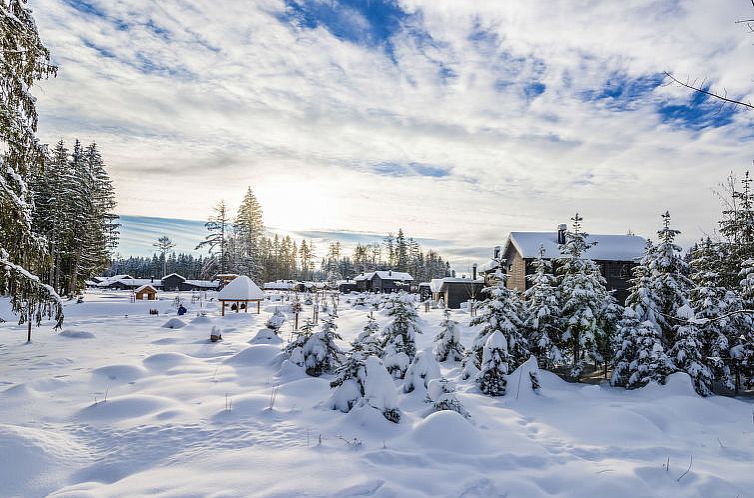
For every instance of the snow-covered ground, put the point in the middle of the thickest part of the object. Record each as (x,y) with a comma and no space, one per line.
(118,405)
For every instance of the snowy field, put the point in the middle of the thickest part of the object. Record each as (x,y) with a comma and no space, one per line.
(118,405)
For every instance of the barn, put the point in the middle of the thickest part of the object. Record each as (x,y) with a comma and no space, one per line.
(616,256)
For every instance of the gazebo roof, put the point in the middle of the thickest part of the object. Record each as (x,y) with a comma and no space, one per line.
(241,288)
(144,288)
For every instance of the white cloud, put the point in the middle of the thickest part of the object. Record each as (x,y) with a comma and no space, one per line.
(191,104)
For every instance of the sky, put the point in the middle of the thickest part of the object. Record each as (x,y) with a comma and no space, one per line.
(457,121)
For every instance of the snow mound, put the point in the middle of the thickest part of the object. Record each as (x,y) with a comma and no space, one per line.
(47,453)
(162,361)
(256,355)
(174,323)
(447,430)
(126,373)
(266,336)
(246,406)
(679,384)
(76,334)
(520,382)
(201,320)
(125,407)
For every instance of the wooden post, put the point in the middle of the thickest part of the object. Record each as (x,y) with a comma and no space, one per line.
(238,306)
(258,303)
(222,307)
(295,327)
(28,335)
(246,307)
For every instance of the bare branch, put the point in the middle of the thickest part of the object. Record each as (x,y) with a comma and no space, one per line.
(701,89)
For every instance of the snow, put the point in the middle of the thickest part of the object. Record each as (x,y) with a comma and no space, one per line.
(608,247)
(140,410)
(385,275)
(144,287)
(239,289)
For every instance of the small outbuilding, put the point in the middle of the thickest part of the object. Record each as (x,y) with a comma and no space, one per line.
(240,291)
(146,292)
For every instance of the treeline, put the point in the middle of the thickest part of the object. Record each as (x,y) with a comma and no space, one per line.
(241,245)
(72,212)
(186,265)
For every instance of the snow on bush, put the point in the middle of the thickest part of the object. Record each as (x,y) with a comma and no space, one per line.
(441,393)
(400,335)
(315,351)
(174,323)
(276,321)
(423,369)
(495,360)
(448,345)
(379,390)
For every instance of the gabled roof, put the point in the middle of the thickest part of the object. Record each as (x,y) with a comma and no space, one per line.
(241,288)
(210,284)
(145,287)
(439,284)
(174,275)
(131,282)
(608,247)
(385,275)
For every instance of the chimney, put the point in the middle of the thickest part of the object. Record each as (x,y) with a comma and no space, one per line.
(473,271)
(390,273)
(496,252)
(562,233)
(453,273)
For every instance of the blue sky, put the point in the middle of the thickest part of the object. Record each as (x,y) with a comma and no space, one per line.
(458,121)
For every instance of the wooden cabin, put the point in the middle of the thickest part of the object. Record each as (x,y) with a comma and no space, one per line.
(616,256)
(239,293)
(146,292)
(455,291)
(384,281)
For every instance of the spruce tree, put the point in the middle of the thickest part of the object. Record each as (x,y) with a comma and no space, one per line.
(543,321)
(368,341)
(584,297)
(321,354)
(687,352)
(399,347)
(423,368)
(24,61)
(640,356)
(249,228)
(501,312)
(216,241)
(448,345)
(349,383)
(492,378)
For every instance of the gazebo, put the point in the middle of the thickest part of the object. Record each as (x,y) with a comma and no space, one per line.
(240,290)
(146,291)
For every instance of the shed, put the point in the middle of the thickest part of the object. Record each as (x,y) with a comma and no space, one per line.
(147,292)
(240,290)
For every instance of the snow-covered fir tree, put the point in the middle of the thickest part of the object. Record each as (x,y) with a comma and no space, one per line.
(542,317)
(250,231)
(442,394)
(501,312)
(294,350)
(349,383)
(423,369)
(399,346)
(379,390)
(687,352)
(640,356)
(492,378)
(276,321)
(469,368)
(583,297)
(321,354)
(24,61)
(216,242)
(368,341)
(448,345)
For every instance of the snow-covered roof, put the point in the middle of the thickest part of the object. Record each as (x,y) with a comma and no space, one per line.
(174,275)
(144,287)
(608,247)
(438,284)
(241,288)
(131,282)
(385,275)
(210,284)
(280,285)
(489,265)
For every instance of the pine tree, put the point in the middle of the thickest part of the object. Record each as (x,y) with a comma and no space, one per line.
(583,296)
(492,378)
(400,336)
(217,239)
(543,321)
(687,351)
(349,382)
(501,312)
(448,345)
(24,60)
(640,356)
(442,394)
(321,354)
(368,342)
(249,228)
(379,390)
(164,245)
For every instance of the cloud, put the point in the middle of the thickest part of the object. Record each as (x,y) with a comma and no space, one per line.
(458,121)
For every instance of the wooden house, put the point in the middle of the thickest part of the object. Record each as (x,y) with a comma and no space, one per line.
(146,292)
(616,256)
(172,282)
(454,291)
(384,281)
(240,292)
